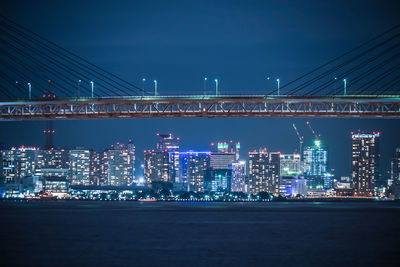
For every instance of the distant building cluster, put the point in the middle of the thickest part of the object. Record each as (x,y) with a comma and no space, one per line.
(219,170)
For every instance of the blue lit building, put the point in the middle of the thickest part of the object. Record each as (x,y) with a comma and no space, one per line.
(218,180)
(315,160)
(193,167)
(293,186)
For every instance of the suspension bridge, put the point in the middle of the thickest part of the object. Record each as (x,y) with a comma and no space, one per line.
(42,80)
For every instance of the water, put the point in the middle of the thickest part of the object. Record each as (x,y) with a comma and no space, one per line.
(200,234)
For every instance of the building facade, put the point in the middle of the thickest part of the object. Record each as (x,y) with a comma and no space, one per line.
(79,167)
(217,180)
(119,166)
(193,168)
(156,166)
(395,166)
(264,172)
(365,163)
(238,176)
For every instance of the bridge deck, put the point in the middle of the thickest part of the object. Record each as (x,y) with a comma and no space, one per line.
(387,106)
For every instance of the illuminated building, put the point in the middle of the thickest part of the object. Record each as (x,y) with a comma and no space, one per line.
(79,167)
(290,164)
(57,186)
(238,176)
(315,159)
(193,168)
(47,172)
(18,163)
(344,187)
(132,155)
(395,166)
(227,147)
(119,165)
(217,180)
(171,144)
(221,160)
(365,163)
(97,168)
(156,166)
(53,159)
(292,186)
(264,172)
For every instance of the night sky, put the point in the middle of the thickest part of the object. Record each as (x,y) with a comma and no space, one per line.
(180,42)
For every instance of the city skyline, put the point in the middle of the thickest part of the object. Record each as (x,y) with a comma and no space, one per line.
(200,133)
(246,57)
(339,152)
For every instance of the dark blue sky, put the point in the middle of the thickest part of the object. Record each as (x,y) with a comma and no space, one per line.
(180,42)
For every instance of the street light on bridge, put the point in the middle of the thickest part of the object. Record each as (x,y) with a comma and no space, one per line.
(216,86)
(143,81)
(345,86)
(205,85)
(155,87)
(92,85)
(30,90)
(277,80)
(79,83)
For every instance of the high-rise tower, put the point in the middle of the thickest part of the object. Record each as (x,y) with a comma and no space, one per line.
(365,162)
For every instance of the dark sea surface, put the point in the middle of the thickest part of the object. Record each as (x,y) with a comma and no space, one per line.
(200,234)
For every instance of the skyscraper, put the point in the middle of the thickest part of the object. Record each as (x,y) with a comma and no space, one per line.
(395,166)
(264,172)
(238,176)
(315,159)
(96,171)
(119,166)
(79,168)
(193,167)
(170,144)
(365,162)
(156,166)
(132,155)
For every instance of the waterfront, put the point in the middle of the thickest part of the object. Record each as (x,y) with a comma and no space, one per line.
(200,234)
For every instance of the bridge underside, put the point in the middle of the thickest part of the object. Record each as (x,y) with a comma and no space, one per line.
(189,107)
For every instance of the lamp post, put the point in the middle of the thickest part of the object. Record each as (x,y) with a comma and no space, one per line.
(30,90)
(205,85)
(79,93)
(278,83)
(155,87)
(143,81)
(92,84)
(216,86)
(344,86)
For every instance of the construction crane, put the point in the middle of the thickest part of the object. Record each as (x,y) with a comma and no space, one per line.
(301,139)
(317,136)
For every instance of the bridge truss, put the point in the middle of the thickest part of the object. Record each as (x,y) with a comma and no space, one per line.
(201,106)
